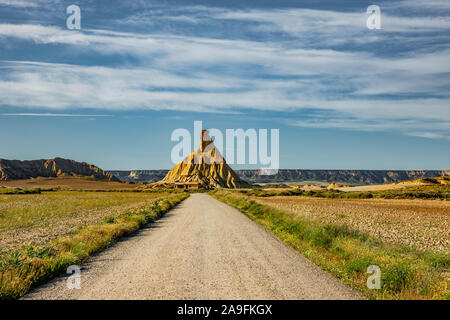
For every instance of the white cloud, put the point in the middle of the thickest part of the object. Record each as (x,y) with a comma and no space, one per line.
(59,87)
(222,75)
(18,3)
(420,4)
(179,51)
(429,135)
(431,128)
(28,3)
(319,26)
(22,114)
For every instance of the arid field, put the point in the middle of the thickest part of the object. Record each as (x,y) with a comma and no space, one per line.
(37,218)
(424,224)
(42,231)
(47,224)
(67,183)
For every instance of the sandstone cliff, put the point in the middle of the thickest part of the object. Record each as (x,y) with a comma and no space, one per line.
(205,166)
(16,169)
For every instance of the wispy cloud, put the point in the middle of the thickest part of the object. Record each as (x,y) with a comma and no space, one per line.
(430,135)
(365,89)
(28,3)
(440,127)
(22,114)
(307,21)
(18,3)
(428,5)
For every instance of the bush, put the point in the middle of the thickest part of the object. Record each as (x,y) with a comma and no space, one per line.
(321,238)
(397,277)
(359,264)
(344,231)
(110,219)
(20,191)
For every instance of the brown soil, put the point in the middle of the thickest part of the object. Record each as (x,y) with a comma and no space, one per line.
(68,183)
(423,224)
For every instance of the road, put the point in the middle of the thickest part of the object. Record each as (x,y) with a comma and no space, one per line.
(202,249)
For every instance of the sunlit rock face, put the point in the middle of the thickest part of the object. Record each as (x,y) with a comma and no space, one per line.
(57,167)
(205,166)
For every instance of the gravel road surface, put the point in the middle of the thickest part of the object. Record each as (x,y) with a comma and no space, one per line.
(202,249)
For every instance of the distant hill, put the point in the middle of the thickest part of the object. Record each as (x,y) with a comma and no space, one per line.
(355,177)
(57,167)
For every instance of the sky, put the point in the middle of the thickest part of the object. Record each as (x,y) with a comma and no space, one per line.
(343,96)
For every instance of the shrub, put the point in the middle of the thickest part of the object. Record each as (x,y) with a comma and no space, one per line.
(20,191)
(397,277)
(320,237)
(110,219)
(359,264)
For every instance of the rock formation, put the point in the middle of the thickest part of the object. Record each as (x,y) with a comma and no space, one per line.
(205,167)
(16,169)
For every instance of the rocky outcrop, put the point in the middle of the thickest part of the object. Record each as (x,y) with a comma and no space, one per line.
(57,167)
(205,167)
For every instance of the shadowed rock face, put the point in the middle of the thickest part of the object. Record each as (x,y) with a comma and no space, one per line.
(205,166)
(360,177)
(16,169)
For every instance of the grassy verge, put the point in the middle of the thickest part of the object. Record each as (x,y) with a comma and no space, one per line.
(418,192)
(25,268)
(406,273)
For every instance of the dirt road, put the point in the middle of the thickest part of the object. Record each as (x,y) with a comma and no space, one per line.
(203,249)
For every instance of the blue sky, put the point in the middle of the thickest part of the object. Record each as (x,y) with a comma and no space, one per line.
(342,96)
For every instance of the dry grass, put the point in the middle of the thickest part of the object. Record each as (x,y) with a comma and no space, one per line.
(68,183)
(37,218)
(423,224)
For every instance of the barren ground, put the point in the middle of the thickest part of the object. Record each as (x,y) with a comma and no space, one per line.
(38,218)
(423,224)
